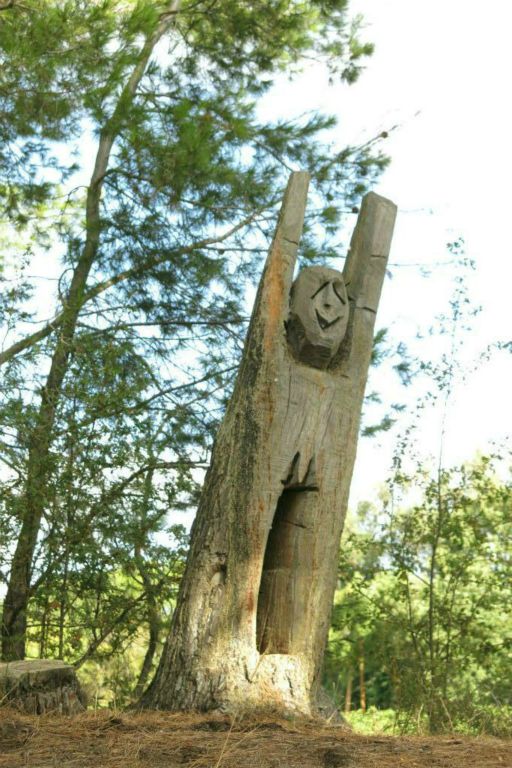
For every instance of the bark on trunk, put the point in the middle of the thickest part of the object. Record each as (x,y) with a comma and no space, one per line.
(41,686)
(254,605)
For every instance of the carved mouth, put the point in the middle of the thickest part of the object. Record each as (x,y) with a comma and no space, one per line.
(323,322)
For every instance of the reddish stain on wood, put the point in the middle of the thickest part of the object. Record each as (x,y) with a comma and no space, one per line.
(274,296)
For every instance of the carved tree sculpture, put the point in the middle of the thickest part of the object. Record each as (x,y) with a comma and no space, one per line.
(253,610)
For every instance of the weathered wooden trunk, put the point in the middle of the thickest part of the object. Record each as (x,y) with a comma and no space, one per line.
(253,610)
(40,686)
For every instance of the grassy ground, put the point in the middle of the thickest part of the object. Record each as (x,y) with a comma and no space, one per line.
(159,740)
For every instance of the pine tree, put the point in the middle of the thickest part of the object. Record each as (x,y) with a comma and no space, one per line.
(131,153)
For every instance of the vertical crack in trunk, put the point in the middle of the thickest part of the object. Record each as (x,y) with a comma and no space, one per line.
(287,574)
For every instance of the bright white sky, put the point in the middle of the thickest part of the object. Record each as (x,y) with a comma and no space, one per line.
(441,70)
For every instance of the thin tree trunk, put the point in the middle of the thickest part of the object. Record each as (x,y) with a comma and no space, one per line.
(362,679)
(44,621)
(14,619)
(435,710)
(63,604)
(152,612)
(348,690)
(153,618)
(67,533)
(254,605)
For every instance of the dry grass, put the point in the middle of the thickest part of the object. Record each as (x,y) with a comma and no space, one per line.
(162,740)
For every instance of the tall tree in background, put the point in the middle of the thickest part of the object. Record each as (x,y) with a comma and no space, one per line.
(426,572)
(131,155)
(424,588)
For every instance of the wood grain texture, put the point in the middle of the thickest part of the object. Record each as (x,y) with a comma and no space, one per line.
(254,606)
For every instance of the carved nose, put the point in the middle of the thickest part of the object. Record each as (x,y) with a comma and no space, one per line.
(327,305)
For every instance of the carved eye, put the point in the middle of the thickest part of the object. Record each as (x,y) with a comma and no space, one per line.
(320,289)
(338,290)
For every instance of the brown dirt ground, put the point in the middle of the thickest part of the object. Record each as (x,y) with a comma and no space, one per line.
(163,740)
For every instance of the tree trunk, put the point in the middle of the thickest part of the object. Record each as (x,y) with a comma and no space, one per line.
(348,691)
(362,678)
(152,611)
(254,606)
(14,617)
(41,686)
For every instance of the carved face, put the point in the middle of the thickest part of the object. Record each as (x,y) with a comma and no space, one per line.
(318,318)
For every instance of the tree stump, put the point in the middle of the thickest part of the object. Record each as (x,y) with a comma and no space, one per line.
(40,686)
(253,611)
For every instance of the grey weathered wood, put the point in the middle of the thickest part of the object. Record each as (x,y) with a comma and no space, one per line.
(253,611)
(40,686)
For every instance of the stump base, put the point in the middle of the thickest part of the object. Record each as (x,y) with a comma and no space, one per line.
(40,686)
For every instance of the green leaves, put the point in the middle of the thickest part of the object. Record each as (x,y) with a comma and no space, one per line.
(138,177)
(425,585)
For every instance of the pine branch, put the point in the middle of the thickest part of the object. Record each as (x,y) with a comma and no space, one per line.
(99,288)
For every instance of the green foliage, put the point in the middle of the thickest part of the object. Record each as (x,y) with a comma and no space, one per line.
(109,561)
(398,358)
(423,595)
(420,624)
(375,720)
(137,179)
